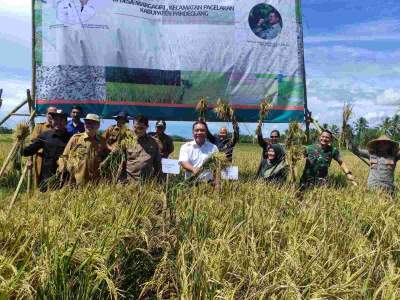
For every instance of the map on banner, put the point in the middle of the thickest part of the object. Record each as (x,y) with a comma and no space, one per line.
(159,57)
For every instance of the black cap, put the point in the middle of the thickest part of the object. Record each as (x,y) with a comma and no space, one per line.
(161,123)
(123,115)
(58,113)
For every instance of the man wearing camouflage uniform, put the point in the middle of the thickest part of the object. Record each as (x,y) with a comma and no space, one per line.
(318,160)
(383,154)
(84,153)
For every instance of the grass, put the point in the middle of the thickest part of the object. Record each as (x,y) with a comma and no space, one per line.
(250,241)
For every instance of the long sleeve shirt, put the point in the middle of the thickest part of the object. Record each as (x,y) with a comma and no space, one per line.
(143,161)
(226,145)
(82,157)
(52,144)
(381,171)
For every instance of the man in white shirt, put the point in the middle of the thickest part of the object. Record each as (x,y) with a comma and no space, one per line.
(193,154)
(73,12)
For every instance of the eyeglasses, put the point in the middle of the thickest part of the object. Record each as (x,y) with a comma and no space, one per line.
(274,137)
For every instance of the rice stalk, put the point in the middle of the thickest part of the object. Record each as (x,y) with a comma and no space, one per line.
(201,108)
(265,107)
(345,134)
(224,111)
(113,164)
(294,148)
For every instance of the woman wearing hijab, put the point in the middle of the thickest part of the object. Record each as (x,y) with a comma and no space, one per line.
(273,167)
(383,154)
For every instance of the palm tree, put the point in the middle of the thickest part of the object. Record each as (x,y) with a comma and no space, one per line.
(385,125)
(361,125)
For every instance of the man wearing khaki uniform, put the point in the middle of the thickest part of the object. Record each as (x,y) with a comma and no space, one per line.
(143,160)
(39,129)
(84,153)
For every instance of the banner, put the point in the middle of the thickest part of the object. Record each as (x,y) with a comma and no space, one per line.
(159,57)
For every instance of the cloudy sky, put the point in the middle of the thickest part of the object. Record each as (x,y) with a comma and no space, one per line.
(352,51)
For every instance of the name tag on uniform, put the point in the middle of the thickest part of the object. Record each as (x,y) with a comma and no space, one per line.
(170,166)
(230,173)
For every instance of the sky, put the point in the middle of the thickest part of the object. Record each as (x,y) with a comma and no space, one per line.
(352,54)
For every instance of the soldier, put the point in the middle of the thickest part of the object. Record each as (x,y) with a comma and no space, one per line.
(38,130)
(52,144)
(164,141)
(84,153)
(225,143)
(143,160)
(318,159)
(114,133)
(383,154)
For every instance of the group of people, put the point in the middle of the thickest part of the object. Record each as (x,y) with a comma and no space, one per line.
(76,150)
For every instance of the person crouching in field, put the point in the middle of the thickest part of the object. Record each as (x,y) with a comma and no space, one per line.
(274,168)
(84,153)
(383,154)
(143,159)
(318,160)
(52,143)
(192,155)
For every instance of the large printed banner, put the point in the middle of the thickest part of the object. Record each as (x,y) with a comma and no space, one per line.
(159,57)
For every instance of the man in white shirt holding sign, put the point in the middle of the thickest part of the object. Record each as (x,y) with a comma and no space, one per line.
(193,154)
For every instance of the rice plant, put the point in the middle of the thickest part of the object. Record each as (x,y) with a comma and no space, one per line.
(249,240)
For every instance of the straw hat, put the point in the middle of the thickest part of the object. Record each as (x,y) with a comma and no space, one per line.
(92,117)
(372,145)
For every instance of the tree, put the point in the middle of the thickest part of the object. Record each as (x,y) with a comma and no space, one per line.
(361,125)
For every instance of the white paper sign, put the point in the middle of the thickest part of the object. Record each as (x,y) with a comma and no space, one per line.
(170,166)
(230,173)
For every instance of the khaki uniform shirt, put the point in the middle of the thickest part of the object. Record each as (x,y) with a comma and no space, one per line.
(82,157)
(164,142)
(112,135)
(143,161)
(39,129)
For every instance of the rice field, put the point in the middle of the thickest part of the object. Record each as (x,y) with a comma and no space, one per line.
(248,240)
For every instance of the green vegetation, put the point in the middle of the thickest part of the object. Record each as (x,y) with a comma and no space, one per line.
(251,240)
(193,86)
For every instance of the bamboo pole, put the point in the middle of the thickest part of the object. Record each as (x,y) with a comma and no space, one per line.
(13,111)
(8,159)
(13,150)
(31,127)
(21,180)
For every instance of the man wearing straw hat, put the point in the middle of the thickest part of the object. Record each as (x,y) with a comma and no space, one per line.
(318,160)
(383,154)
(84,153)
(114,133)
(39,129)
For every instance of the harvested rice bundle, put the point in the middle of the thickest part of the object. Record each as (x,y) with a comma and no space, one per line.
(224,111)
(201,107)
(112,165)
(265,107)
(294,148)
(345,134)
